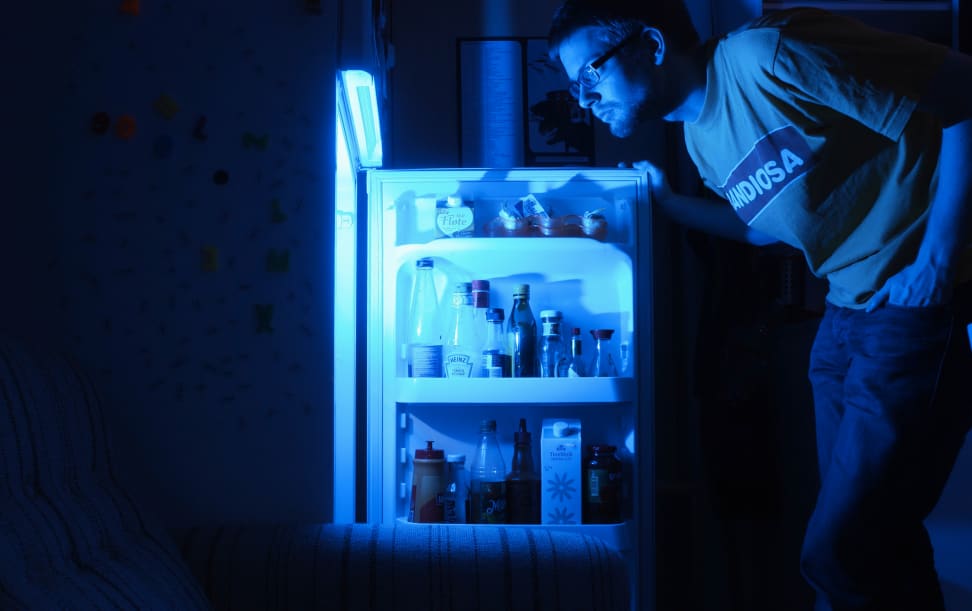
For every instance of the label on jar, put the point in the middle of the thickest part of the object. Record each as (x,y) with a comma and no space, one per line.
(602,486)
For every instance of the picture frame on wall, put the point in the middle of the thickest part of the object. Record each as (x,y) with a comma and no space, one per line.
(515,109)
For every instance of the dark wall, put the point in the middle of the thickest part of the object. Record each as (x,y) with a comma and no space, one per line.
(201,306)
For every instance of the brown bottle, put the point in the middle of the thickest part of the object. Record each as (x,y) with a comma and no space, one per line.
(602,486)
(522,482)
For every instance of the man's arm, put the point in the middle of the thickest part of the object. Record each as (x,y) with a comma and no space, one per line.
(700,213)
(710,216)
(929,280)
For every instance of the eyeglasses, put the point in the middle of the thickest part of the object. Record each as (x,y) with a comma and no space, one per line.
(589,76)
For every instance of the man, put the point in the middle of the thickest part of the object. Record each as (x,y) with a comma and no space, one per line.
(855,146)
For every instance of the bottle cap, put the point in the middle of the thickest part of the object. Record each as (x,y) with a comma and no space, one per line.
(575,331)
(461,288)
(459,458)
(480,285)
(605,449)
(602,333)
(428,453)
(425,263)
(487,426)
(522,435)
(560,428)
(495,314)
(551,314)
(521,290)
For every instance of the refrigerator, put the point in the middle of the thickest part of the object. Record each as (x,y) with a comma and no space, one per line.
(387,222)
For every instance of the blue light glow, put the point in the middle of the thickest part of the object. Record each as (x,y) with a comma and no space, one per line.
(361,104)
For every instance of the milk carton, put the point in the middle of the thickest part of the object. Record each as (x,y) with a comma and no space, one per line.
(560,467)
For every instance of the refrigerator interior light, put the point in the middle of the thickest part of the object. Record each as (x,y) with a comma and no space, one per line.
(361,105)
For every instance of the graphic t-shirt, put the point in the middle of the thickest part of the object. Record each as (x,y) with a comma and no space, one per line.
(809,129)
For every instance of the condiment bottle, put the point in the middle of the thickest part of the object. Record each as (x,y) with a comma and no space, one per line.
(602,363)
(551,349)
(522,332)
(428,469)
(522,482)
(602,486)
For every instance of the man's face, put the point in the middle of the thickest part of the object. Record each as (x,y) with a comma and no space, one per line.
(630,88)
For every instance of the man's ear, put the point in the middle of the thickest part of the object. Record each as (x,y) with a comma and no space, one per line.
(654,42)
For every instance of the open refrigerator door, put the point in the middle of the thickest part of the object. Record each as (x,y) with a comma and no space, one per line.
(581,240)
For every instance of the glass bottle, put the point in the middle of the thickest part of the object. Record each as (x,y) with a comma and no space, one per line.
(460,350)
(487,479)
(625,361)
(522,482)
(495,362)
(602,486)
(456,495)
(602,363)
(522,331)
(480,293)
(573,366)
(424,350)
(551,348)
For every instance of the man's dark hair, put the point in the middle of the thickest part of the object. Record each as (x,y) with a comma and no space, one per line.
(622,17)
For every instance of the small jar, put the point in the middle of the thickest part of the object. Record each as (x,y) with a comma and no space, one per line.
(602,486)
(594,225)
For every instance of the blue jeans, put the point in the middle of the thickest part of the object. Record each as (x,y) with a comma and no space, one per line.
(892,393)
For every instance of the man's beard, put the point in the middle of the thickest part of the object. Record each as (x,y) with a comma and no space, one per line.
(628,118)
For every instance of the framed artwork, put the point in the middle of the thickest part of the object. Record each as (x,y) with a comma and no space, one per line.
(514,107)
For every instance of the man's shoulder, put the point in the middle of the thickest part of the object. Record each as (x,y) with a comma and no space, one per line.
(791,19)
(792,28)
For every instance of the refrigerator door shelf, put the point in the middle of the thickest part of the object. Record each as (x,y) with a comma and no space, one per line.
(408,200)
(515,390)
(518,252)
(616,536)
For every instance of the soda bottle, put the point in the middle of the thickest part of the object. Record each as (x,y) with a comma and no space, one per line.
(424,351)
(456,495)
(522,482)
(487,479)
(460,351)
(573,366)
(551,347)
(495,361)
(522,331)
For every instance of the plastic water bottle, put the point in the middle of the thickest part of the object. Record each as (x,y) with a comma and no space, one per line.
(487,479)
(424,352)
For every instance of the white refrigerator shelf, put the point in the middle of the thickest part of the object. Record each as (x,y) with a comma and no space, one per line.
(514,390)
